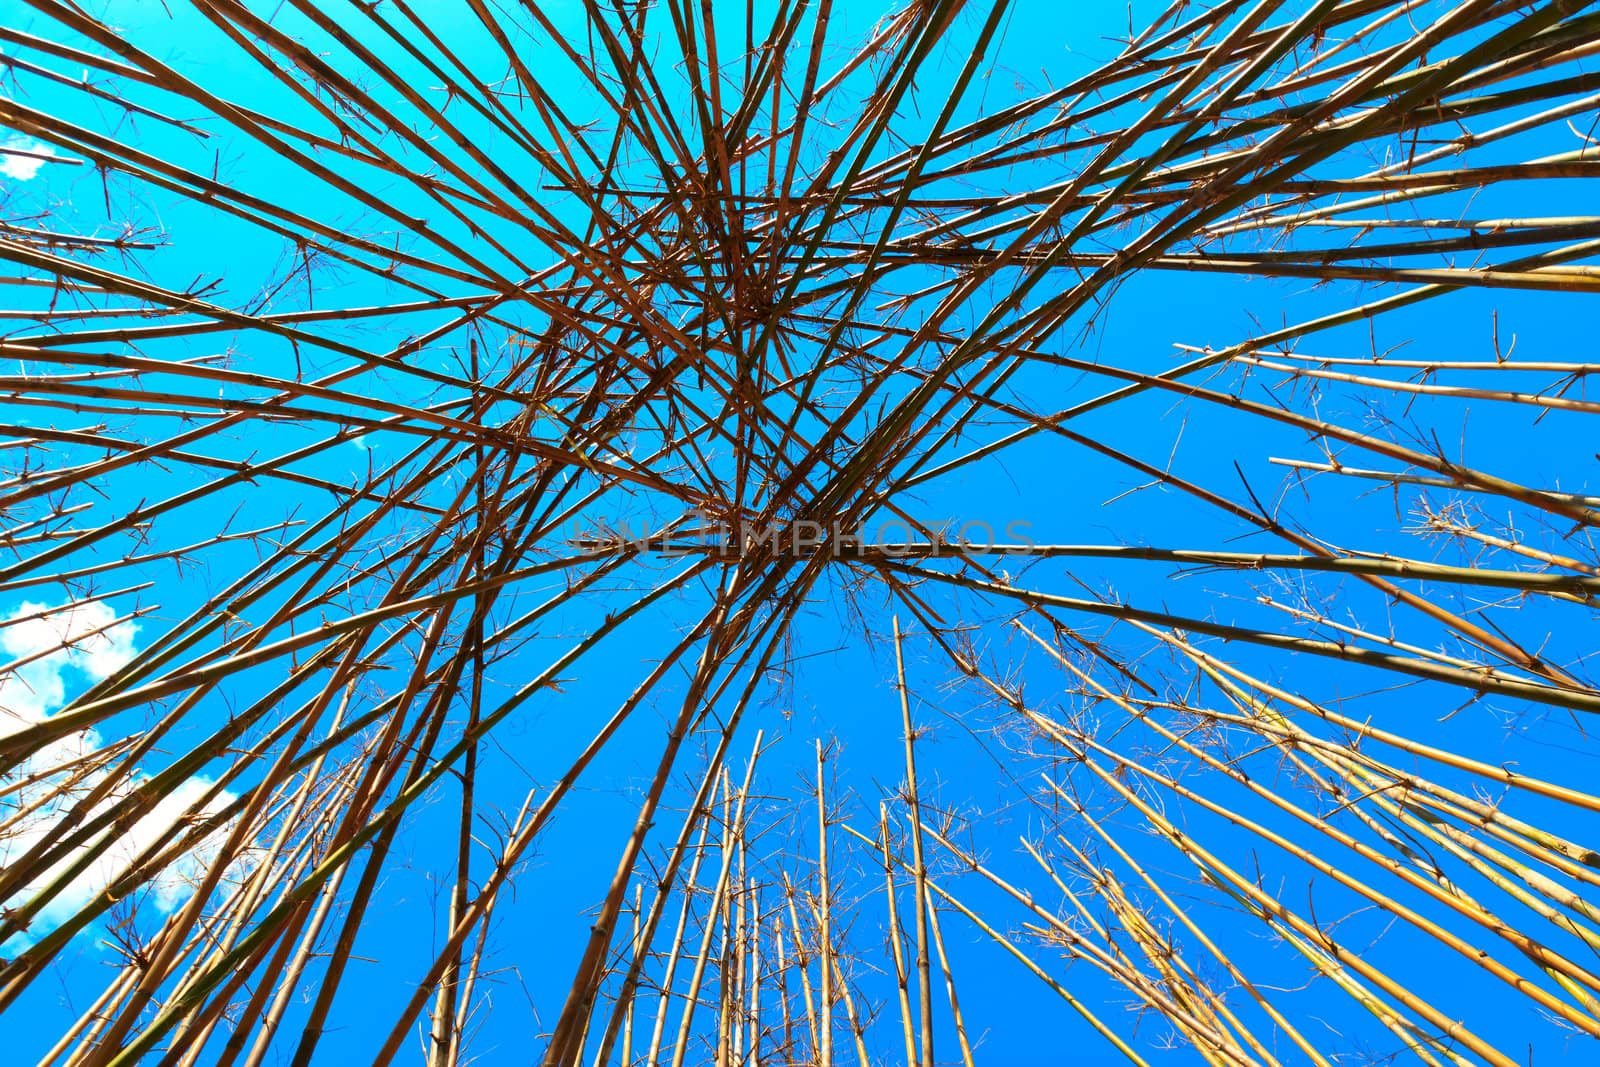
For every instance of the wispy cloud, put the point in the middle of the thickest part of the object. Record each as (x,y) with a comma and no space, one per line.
(52,650)
(77,638)
(22,157)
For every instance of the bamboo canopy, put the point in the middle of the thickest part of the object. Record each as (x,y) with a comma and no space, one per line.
(433,432)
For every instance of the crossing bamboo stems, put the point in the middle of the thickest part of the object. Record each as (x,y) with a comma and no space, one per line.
(896,941)
(1017,953)
(742,275)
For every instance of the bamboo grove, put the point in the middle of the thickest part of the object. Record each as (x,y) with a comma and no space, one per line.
(402,410)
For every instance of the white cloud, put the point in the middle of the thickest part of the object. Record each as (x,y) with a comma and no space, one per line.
(18,166)
(77,643)
(76,636)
